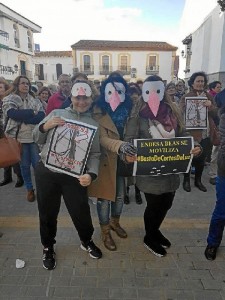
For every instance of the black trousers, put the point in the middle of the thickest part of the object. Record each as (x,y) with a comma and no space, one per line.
(8,171)
(155,212)
(199,161)
(50,187)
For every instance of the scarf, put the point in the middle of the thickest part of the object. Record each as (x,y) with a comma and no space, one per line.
(119,117)
(164,116)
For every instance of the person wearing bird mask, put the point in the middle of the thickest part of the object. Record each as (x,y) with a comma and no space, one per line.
(112,111)
(159,117)
(52,185)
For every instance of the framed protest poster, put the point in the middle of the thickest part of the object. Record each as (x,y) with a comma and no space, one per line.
(196,114)
(69,147)
(163,156)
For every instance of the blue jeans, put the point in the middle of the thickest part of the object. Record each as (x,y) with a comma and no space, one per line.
(30,156)
(218,217)
(104,206)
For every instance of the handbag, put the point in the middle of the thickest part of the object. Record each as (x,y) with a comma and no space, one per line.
(214,133)
(124,169)
(10,149)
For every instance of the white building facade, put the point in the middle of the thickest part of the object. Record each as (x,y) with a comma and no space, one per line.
(134,59)
(205,48)
(49,65)
(16,44)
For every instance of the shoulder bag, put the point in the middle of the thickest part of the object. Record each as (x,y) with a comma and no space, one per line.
(10,150)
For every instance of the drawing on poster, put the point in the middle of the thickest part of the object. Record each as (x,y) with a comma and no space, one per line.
(196,113)
(69,147)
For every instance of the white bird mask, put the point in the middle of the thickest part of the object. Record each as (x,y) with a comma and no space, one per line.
(114,94)
(153,93)
(81,89)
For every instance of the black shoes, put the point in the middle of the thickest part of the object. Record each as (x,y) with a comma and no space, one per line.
(155,247)
(200,186)
(49,262)
(138,198)
(162,240)
(186,185)
(126,199)
(5,181)
(93,250)
(19,182)
(210,252)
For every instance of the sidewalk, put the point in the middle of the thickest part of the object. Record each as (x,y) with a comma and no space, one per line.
(131,272)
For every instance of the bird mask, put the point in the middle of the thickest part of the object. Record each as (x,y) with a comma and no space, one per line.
(81,89)
(114,94)
(152,94)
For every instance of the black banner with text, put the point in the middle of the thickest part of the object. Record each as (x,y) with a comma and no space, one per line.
(163,156)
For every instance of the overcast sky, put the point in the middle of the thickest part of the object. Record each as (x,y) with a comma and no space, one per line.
(66,22)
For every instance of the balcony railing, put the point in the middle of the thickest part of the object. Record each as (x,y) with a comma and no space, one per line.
(26,73)
(6,70)
(4,40)
(75,70)
(105,70)
(87,70)
(125,70)
(152,70)
(4,34)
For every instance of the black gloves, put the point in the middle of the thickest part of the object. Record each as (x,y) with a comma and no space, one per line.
(127,149)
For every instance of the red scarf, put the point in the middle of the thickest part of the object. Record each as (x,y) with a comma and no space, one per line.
(164,116)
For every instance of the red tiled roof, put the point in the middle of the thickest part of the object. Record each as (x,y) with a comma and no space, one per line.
(123,45)
(53,53)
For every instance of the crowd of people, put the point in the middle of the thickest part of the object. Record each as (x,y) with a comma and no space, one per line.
(121,112)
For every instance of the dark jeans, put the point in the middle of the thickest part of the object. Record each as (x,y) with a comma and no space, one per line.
(155,212)
(30,156)
(217,223)
(50,187)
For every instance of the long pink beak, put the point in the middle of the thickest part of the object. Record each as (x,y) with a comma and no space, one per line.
(153,102)
(81,92)
(114,101)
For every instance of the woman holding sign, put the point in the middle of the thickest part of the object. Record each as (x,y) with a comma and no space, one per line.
(197,84)
(52,174)
(159,118)
(112,111)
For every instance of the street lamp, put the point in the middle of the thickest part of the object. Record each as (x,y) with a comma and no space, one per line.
(16,68)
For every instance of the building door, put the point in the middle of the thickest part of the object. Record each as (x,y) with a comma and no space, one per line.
(23,67)
(58,70)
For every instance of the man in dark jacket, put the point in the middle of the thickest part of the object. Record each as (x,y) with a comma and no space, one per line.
(217,223)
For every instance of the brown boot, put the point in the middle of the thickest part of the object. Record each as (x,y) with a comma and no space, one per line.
(115,225)
(30,196)
(107,238)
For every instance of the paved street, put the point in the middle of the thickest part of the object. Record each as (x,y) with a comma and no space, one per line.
(129,273)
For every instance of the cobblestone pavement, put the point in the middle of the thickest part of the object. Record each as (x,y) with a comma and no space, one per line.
(129,273)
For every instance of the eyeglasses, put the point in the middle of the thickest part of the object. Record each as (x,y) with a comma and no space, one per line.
(24,83)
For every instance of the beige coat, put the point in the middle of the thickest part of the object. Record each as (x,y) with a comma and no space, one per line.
(105,185)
